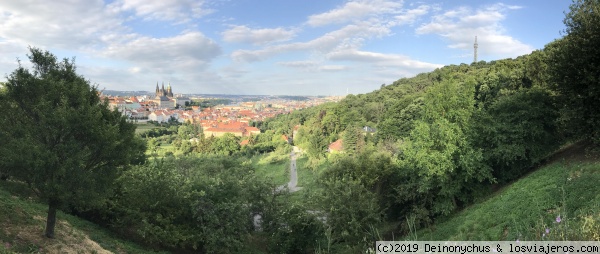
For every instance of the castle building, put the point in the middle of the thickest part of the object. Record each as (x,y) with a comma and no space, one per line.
(164,98)
(163,92)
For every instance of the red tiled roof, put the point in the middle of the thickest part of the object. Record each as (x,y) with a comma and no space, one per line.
(250,128)
(336,146)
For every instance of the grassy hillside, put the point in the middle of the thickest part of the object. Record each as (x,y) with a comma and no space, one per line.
(567,188)
(22,222)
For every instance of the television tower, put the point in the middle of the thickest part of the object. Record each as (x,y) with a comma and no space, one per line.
(475,46)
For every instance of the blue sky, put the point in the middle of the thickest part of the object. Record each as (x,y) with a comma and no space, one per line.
(271,47)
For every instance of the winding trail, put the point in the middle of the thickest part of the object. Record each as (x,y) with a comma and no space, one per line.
(292,184)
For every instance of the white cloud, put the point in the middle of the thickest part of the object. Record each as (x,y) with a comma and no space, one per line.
(382,60)
(69,25)
(354,10)
(312,66)
(299,64)
(179,11)
(369,20)
(96,33)
(350,34)
(333,68)
(186,52)
(262,36)
(411,15)
(460,26)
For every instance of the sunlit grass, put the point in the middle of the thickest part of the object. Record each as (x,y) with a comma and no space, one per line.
(142,127)
(276,170)
(557,202)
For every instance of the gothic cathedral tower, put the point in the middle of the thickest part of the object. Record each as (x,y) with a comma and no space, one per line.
(169,91)
(164,92)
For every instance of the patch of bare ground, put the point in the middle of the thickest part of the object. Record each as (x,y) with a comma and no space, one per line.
(582,151)
(68,239)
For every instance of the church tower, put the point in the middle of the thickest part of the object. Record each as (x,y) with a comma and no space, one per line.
(157,91)
(169,92)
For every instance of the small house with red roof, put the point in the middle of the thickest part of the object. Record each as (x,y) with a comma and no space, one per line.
(336,147)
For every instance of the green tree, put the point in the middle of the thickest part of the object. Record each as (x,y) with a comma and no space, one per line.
(188,131)
(353,139)
(60,138)
(574,62)
(226,144)
(516,131)
(153,145)
(352,212)
(203,203)
(439,149)
(400,120)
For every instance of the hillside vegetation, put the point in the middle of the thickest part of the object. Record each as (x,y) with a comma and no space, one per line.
(562,198)
(446,139)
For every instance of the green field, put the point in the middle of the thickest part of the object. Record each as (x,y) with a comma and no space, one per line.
(142,127)
(276,169)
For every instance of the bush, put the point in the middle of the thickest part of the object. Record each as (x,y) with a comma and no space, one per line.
(202,203)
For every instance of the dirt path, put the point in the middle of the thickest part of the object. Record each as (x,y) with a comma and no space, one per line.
(292,184)
(293,171)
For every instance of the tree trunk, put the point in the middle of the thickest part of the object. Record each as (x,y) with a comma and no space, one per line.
(51,220)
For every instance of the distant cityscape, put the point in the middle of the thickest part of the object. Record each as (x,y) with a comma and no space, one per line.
(164,105)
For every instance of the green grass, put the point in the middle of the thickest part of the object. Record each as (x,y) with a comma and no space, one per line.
(23,218)
(142,127)
(276,169)
(307,176)
(527,207)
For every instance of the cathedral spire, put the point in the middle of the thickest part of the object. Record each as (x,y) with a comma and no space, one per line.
(169,93)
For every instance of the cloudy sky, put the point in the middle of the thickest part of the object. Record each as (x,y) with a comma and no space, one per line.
(291,47)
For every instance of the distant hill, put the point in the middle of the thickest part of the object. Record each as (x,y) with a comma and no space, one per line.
(228,96)
(125,93)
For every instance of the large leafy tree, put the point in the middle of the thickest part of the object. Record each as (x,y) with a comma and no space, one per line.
(574,64)
(59,137)
(439,150)
(517,131)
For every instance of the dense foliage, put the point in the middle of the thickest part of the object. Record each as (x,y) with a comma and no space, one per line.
(204,203)
(573,64)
